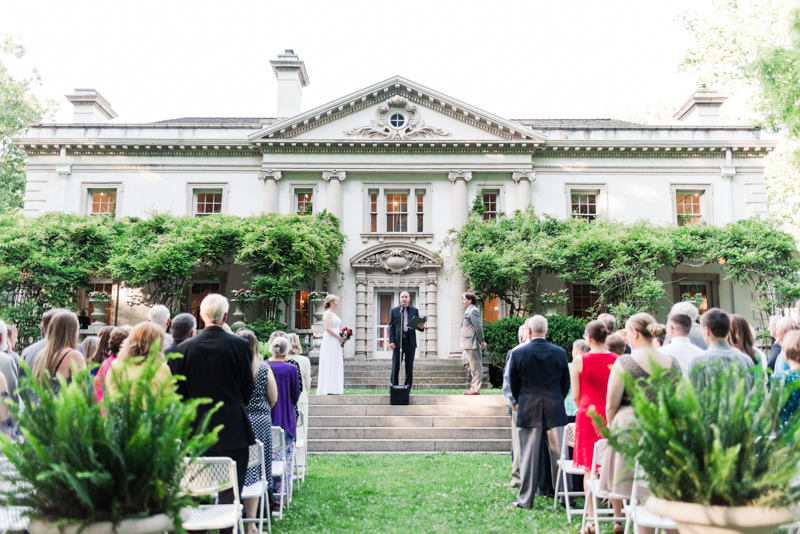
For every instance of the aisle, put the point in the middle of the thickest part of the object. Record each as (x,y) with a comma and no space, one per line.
(394,493)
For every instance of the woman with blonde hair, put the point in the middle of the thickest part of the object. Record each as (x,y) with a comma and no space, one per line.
(60,353)
(330,377)
(90,346)
(135,351)
(114,338)
(264,398)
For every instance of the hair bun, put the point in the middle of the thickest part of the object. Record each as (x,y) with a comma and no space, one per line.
(656,330)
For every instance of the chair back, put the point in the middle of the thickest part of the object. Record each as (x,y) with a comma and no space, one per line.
(208,475)
(256,454)
(597,455)
(569,435)
(278,440)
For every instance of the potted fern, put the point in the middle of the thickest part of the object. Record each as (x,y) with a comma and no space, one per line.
(112,467)
(717,459)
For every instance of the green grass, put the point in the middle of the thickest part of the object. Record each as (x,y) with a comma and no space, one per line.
(313,391)
(406,493)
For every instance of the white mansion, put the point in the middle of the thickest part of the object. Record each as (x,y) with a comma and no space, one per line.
(400,164)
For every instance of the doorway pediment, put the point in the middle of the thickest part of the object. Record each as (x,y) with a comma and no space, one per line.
(395,258)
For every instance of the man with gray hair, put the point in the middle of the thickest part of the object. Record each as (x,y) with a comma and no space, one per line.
(159,314)
(696,333)
(216,365)
(539,377)
(184,326)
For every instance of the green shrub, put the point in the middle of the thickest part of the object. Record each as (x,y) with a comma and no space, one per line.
(263,328)
(84,462)
(500,337)
(563,331)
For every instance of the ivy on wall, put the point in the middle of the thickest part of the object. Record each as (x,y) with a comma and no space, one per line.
(508,257)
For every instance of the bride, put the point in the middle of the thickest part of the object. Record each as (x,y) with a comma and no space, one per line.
(330,380)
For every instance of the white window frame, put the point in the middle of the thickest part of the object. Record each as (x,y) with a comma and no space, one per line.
(87,187)
(295,188)
(411,189)
(707,206)
(601,190)
(499,189)
(192,188)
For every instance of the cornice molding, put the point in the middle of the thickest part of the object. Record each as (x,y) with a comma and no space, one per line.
(523,175)
(266,174)
(455,175)
(328,175)
(413,126)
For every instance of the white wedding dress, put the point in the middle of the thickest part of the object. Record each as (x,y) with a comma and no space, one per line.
(330,380)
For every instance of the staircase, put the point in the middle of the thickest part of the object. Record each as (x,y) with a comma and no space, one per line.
(431,423)
(428,374)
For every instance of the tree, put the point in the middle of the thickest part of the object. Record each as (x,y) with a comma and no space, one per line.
(18,108)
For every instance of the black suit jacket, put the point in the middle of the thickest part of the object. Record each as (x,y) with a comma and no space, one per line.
(539,377)
(396,327)
(172,349)
(217,366)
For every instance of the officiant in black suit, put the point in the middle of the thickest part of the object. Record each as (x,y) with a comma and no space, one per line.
(401,335)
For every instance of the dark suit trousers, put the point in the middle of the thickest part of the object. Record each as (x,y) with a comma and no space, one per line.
(530,443)
(408,356)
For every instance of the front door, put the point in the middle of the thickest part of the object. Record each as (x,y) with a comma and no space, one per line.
(385,300)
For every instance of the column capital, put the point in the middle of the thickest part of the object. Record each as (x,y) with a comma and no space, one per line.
(523,175)
(455,175)
(728,171)
(328,175)
(266,174)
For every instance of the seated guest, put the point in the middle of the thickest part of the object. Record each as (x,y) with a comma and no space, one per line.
(579,347)
(9,367)
(84,320)
(5,417)
(610,323)
(776,345)
(60,353)
(303,365)
(791,348)
(31,351)
(720,356)
(284,412)
(696,333)
(784,325)
(116,338)
(741,337)
(13,337)
(159,314)
(265,396)
(616,344)
(679,325)
(184,326)
(90,344)
(129,364)
(522,337)
(640,364)
(589,377)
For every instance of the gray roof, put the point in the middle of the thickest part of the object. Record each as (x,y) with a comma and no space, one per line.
(591,124)
(258,121)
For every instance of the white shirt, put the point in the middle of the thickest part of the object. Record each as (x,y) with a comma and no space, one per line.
(683,350)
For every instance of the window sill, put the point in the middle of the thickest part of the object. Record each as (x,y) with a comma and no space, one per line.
(381,237)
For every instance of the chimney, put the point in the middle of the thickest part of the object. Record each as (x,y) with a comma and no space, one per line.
(292,77)
(90,107)
(702,108)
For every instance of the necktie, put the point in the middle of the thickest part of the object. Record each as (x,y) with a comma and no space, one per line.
(405,319)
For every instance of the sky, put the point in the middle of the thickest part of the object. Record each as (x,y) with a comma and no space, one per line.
(516,59)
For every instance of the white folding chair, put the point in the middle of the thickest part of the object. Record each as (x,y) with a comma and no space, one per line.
(595,493)
(639,514)
(300,463)
(565,468)
(207,476)
(279,466)
(259,489)
(12,518)
(9,480)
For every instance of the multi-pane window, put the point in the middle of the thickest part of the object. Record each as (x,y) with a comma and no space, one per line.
(199,291)
(689,207)
(397,212)
(584,300)
(584,204)
(373,212)
(303,203)
(696,289)
(302,316)
(489,206)
(207,202)
(102,202)
(491,309)
(420,211)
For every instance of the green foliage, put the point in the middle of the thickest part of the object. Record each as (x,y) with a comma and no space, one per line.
(500,337)
(84,463)
(508,257)
(720,445)
(563,331)
(263,328)
(19,109)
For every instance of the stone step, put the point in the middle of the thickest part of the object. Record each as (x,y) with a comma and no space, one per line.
(409,445)
(388,432)
(384,373)
(384,410)
(474,421)
(385,386)
(466,400)
(417,362)
(348,380)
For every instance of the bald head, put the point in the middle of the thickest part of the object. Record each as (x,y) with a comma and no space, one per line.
(537,326)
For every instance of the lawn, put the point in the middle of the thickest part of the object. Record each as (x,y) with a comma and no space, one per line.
(399,493)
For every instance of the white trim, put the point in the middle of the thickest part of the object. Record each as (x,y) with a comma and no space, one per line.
(294,187)
(193,187)
(119,187)
(600,189)
(391,187)
(500,189)
(708,200)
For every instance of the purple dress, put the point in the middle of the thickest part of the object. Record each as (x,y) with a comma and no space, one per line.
(283,415)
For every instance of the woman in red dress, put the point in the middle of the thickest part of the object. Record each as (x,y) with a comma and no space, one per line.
(589,377)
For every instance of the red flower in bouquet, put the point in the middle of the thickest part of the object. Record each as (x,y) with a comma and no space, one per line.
(346,334)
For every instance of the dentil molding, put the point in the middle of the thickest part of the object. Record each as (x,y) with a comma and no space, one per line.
(411,128)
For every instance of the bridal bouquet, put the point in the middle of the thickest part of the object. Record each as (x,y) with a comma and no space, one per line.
(346,334)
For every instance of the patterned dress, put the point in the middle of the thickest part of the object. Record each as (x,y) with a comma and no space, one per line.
(261,420)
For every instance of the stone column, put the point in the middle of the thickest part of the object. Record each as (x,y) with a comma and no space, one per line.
(728,171)
(270,201)
(431,328)
(335,207)
(522,195)
(361,314)
(458,216)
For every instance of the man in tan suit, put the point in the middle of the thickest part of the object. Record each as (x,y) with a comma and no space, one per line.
(472,341)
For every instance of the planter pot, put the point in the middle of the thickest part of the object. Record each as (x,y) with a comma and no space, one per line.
(550,308)
(99,312)
(318,309)
(146,525)
(698,519)
(239,315)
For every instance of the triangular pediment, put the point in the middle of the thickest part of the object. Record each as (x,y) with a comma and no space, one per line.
(397,110)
